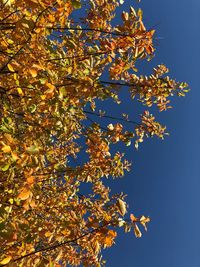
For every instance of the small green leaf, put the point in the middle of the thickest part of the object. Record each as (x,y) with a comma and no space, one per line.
(33,108)
(33,149)
(128,143)
(43,80)
(76,4)
(5,168)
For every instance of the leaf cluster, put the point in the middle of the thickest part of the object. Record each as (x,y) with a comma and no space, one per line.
(51,71)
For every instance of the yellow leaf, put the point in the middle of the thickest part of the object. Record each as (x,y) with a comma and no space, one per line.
(10,67)
(33,72)
(38,30)
(132,10)
(137,231)
(9,137)
(43,97)
(6,260)
(51,86)
(144,220)
(20,92)
(32,204)
(107,217)
(25,193)
(6,149)
(47,234)
(66,232)
(11,200)
(142,27)
(96,247)
(140,13)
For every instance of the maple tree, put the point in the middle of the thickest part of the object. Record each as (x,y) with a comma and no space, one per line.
(52,69)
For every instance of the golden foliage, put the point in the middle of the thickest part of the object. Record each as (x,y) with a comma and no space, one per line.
(51,71)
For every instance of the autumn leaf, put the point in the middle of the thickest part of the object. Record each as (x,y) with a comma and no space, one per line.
(121,206)
(34,149)
(14,155)
(30,180)
(96,247)
(133,218)
(10,67)
(76,4)
(144,220)
(24,194)
(110,127)
(137,231)
(56,147)
(6,260)
(6,149)
(33,72)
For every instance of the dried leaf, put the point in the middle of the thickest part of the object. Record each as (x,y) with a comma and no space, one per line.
(137,232)
(121,206)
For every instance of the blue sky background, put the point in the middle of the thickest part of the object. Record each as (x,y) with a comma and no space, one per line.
(165,179)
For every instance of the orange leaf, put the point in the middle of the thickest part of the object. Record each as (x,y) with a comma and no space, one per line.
(51,86)
(25,193)
(133,218)
(14,156)
(30,180)
(137,231)
(33,72)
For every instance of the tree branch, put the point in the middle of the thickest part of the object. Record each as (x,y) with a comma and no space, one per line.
(60,244)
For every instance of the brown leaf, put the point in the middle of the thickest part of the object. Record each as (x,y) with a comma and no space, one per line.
(121,206)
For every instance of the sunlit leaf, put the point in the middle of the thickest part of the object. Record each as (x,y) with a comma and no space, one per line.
(137,231)
(10,67)
(6,260)
(24,194)
(121,206)
(144,220)
(57,64)
(6,149)
(33,72)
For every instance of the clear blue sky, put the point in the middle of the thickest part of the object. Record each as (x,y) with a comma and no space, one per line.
(165,179)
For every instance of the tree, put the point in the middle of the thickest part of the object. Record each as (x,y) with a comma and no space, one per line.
(52,78)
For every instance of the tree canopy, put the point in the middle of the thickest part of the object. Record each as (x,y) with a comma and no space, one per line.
(58,60)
